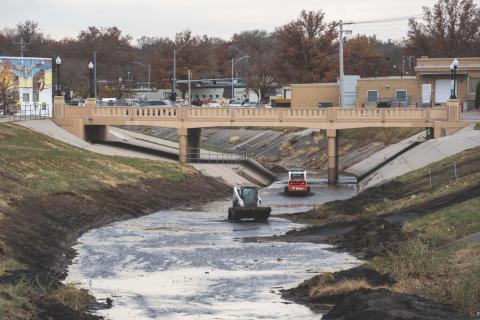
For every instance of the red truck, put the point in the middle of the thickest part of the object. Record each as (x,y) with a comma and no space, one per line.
(297,183)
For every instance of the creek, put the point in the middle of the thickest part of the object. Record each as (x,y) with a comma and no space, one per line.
(191,263)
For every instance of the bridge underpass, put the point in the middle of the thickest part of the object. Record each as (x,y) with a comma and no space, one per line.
(91,122)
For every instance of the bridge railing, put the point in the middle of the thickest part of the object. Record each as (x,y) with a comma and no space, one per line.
(260,114)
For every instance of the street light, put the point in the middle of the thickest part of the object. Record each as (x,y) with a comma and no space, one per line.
(453,74)
(92,85)
(58,61)
(148,68)
(174,80)
(234,62)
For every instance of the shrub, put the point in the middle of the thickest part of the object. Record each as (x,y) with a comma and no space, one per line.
(413,258)
(466,291)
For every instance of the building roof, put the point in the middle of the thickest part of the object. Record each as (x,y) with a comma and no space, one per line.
(331,84)
(389,78)
(442,65)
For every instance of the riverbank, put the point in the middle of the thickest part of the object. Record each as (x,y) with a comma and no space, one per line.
(419,234)
(51,193)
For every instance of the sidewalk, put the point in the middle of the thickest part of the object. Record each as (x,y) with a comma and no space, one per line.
(471,116)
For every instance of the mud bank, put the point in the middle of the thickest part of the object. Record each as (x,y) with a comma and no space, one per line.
(40,231)
(401,228)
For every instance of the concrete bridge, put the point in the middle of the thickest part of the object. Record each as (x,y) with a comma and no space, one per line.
(90,122)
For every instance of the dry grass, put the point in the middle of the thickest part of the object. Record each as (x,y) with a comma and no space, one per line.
(33,164)
(340,287)
(8,265)
(413,258)
(72,297)
(451,276)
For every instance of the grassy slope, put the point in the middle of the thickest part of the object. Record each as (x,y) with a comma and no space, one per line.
(32,165)
(426,263)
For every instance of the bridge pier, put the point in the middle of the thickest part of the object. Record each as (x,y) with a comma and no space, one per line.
(332,153)
(189,144)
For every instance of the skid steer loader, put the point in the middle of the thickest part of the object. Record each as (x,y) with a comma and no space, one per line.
(247,205)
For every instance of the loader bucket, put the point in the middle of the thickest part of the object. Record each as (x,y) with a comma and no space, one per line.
(259,213)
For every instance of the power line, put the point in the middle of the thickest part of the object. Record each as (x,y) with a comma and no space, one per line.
(395,19)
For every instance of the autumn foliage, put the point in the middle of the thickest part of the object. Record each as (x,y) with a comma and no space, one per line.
(301,51)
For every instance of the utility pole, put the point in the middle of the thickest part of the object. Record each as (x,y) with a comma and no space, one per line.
(23,46)
(174,80)
(95,73)
(342,74)
(340,52)
(149,85)
(233,86)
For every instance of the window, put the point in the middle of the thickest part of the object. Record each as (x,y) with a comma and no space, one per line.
(217,96)
(26,97)
(401,95)
(372,96)
(473,85)
(36,97)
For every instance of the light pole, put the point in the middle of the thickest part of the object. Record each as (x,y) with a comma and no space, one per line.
(92,84)
(189,87)
(58,61)
(120,88)
(174,80)
(234,62)
(453,74)
(147,66)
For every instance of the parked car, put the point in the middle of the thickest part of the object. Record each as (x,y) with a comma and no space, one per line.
(236,104)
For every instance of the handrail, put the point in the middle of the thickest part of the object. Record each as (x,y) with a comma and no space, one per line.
(328,115)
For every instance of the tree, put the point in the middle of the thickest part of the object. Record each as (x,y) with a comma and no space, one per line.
(261,82)
(364,57)
(8,96)
(450,29)
(306,49)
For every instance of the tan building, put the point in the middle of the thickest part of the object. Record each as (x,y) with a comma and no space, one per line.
(315,95)
(436,73)
(431,86)
(397,90)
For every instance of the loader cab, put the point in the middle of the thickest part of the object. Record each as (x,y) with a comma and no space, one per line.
(249,196)
(297,183)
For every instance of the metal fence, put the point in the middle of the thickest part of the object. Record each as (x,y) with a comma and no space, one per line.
(27,112)
(443,174)
(197,155)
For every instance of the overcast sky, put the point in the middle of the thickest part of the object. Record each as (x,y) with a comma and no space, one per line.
(221,18)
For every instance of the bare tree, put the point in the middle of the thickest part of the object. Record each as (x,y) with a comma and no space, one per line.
(450,29)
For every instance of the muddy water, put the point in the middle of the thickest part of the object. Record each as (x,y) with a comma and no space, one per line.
(192,263)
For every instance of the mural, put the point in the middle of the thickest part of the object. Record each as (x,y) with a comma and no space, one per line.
(33,79)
